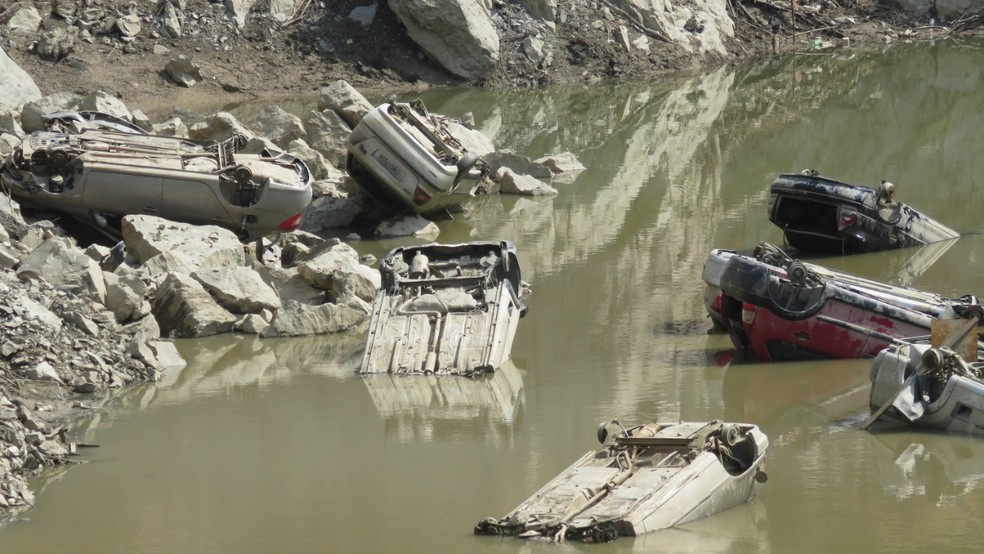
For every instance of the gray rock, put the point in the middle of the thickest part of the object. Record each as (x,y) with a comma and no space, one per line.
(173,127)
(407,226)
(16,86)
(220,126)
(328,133)
(82,323)
(513,183)
(297,319)
(545,10)
(24,23)
(183,70)
(59,262)
(561,163)
(342,98)
(104,102)
(31,310)
(10,216)
(170,21)
(124,296)
(282,10)
(518,163)
(535,50)
(198,246)
(316,162)
(277,125)
(363,14)
(10,121)
(239,9)
(332,209)
(458,34)
(238,289)
(55,44)
(41,372)
(339,272)
(183,308)
(251,324)
(167,354)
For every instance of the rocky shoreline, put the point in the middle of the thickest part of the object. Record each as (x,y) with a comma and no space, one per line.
(77,322)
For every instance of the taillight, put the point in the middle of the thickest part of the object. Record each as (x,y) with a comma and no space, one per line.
(420,197)
(848,217)
(747,313)
(291,223)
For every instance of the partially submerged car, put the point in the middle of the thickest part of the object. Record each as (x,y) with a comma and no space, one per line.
(928,386)
(408,160)
(94,168)
(817,214)
(645,478)
(445,309)
(776,308)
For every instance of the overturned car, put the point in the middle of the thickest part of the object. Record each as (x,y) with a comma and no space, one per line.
(817,214)
(408,160)
(644,478)
(445,309)
(99,168)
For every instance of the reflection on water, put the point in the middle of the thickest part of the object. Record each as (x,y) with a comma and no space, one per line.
(419,407)
(938,467)
(795,402)
(616,328)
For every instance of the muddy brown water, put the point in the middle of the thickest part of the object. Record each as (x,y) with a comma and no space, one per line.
(277,446)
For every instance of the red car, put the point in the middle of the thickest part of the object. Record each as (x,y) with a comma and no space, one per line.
(776,308)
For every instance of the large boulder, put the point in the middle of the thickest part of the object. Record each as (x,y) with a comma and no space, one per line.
(338,271)
(517,183)
(240,290)
(60,263)
(458,34)
(343,99)
(696,25)
(297,319)
(220,126)
(104,102)
(183,308)
(16,86)
(278,125)
(328,133)
(196,246)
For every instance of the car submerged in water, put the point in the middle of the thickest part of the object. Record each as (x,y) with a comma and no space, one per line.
(445,309)
(821,215)
(776,308)
(645,478)
(100,168)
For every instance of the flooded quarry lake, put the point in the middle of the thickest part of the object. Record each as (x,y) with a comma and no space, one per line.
(278,445)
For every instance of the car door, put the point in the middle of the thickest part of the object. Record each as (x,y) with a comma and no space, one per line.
(122,190)
(192,200)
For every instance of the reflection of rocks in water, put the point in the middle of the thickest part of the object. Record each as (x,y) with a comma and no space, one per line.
(938,467)
(223,363)
(423,408)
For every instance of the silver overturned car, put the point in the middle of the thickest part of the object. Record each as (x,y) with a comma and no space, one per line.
(408,160)
(99,168)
